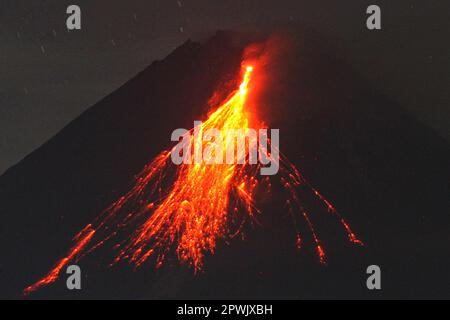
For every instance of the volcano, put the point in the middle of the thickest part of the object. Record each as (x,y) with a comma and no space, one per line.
(384,170)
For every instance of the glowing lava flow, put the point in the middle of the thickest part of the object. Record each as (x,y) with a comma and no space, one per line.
(189,207)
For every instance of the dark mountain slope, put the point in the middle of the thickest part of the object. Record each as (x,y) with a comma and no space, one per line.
(54,191)
(385,172)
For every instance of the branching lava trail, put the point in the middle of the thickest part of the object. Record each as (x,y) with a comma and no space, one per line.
(189,207)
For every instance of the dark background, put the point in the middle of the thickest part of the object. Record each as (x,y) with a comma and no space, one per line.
(49,75)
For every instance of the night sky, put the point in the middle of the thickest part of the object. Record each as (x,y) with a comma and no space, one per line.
(48,75)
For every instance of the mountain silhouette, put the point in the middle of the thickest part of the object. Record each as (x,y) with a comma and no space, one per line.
(387,173)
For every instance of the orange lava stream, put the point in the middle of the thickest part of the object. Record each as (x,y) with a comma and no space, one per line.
(82,239)
(196,207)
(190,207)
